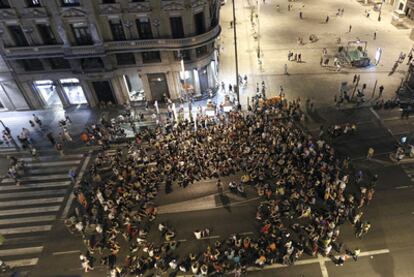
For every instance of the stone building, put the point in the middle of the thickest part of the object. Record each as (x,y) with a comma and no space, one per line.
(59,53)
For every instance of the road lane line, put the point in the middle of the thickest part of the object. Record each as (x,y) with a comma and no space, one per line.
(66,252)
(78,180)
(403,187)
(21,251)
(374,252)
(29,211)
(322,264)
(22,263)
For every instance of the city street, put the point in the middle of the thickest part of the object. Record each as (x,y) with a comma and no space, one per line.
(38,244)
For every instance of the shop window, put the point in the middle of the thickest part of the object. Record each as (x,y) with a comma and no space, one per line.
(33,3)
(18,35)
(73,91)
(182,54)
(59,63)
(70,3)
(47,91)
(151,57)
(199,23)
(135,88)
(4,4)
(46,34)
(125,59)
(81,34)
(92,63)
(144,28)
(117,29)
(31,64)
(201,51)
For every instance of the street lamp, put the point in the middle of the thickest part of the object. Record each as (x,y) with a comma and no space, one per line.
(236,88)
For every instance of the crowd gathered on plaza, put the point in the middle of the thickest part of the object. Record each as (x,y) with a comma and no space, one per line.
(306,193)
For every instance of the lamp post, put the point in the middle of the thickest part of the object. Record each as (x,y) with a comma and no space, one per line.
(258,30)
(235,53)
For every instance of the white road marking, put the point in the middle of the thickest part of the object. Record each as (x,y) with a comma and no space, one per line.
(32,193)
(322,264)
(34,185)
(22,263)
(21,251)
(316,260)
(374,252)
(78,180)
(22,230)
(66,252)
(26,202)
(37,178)
(52,163)
(210,237)
(31,219)
(48,158)
(404,187)
(29,211)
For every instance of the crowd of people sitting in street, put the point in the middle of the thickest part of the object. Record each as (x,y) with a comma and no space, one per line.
(306,193)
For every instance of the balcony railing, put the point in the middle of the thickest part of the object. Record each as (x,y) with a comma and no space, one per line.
(164,44)
(38,51)
(42,51)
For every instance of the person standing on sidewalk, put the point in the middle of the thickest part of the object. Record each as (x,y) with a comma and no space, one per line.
(350,28)
(286,69)
(327,19)
(381,90)
(375,34)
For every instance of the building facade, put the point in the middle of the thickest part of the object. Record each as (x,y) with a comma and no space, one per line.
(72,52)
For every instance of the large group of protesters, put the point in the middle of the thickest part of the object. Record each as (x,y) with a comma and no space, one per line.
(306,192)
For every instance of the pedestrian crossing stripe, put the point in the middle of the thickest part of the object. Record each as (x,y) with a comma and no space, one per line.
(21,251)
(32,193)
(48,158)
(27,202)
(46,209)
(52,163)
(28,229)
(20,220)
(37,178)
(34,186)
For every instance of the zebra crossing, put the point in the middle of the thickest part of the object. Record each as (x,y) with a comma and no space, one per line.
(28,211)
(7,149)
